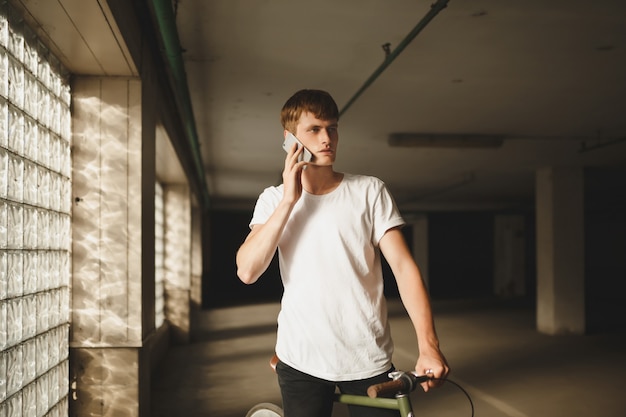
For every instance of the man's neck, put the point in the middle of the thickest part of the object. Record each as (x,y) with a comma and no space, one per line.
(320,180)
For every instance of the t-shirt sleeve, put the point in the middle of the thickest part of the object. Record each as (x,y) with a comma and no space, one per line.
(386,214)
(266,204)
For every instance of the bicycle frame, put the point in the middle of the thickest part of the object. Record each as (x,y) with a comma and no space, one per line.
(402,384)
(402,402)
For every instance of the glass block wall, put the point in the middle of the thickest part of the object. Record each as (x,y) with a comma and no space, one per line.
(35,222)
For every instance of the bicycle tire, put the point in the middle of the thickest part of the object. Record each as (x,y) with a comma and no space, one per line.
(265,410)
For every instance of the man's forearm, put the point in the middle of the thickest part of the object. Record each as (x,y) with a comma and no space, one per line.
(417,304)
(256,253)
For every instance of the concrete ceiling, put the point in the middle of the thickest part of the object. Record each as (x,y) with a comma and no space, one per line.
(549,76)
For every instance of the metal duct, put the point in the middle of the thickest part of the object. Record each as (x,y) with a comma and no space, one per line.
(166,24)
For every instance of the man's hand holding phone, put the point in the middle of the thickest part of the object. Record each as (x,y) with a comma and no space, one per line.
(290,139)
(295,162)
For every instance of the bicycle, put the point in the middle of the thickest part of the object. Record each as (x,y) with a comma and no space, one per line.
(400,386)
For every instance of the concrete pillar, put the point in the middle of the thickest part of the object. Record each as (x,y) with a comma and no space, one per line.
(509,256)
(420,244)
(113,247)
(560,251)
(178,240)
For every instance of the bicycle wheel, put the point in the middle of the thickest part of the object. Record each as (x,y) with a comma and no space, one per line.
(265,410)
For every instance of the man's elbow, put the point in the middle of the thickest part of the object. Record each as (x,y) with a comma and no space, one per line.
(246,276)
(244,271)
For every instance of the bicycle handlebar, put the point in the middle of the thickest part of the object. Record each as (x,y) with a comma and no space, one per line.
(403,382)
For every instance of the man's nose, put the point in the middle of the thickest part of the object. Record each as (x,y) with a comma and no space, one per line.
(326,135)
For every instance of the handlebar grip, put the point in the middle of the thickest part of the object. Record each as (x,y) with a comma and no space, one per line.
(406,382)
(387,388)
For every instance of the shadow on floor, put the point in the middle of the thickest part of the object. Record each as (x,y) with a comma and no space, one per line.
(507,367)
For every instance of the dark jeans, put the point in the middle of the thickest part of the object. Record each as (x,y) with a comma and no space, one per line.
(308,396)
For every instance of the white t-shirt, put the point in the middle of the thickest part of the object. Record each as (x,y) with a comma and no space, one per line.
(333,319)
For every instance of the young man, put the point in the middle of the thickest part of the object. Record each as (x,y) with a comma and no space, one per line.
(329,229)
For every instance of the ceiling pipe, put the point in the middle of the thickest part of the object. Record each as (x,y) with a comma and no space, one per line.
(434,10)
(445,140)
(586,147)
(166,25)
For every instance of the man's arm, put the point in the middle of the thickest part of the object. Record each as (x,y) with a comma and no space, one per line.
(417,303)
(257,251)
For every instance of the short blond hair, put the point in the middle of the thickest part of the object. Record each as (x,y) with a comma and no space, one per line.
(317,102)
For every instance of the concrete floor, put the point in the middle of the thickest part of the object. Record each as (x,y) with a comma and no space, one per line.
(508,369)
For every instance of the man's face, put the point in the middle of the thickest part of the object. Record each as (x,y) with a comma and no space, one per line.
(320,137)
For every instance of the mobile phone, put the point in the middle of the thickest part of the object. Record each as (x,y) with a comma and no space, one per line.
(290,139)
